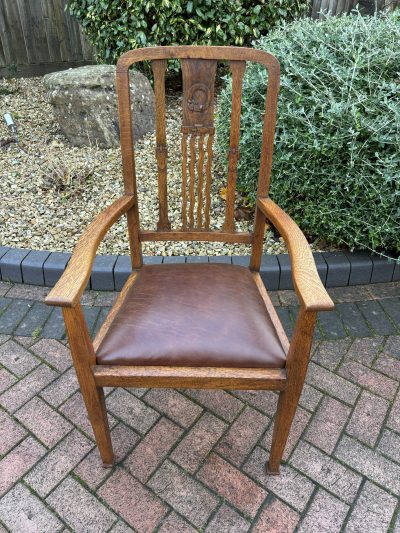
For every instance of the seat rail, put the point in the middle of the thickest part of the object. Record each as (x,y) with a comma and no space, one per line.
(190,377)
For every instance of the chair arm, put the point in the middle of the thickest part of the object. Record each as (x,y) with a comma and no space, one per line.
(72,283)
(307,284)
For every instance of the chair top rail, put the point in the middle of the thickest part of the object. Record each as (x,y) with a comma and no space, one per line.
(221,53)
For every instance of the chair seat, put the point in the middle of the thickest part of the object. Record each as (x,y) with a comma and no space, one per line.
(193,315)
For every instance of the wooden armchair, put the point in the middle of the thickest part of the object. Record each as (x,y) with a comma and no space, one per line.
(193,325)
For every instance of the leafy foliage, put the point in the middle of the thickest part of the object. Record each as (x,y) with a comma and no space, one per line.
(115,26)
(336,166)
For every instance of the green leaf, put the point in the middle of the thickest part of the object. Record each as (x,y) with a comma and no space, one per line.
(336,166)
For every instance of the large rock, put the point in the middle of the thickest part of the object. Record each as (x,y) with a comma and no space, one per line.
(85,104)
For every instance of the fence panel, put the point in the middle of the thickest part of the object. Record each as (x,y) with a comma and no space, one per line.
(39,36)
(339,7)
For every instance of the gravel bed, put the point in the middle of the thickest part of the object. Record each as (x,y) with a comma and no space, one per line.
(50,190)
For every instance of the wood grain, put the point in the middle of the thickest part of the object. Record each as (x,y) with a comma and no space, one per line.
(192,179)
(198,78)
(271,311)
(34,30)
(39,32)
(159,67)
(307,283)
(84,359)
(15,50)
(72,283)
(114,310)
(258,240)
(237,69)
(128,164)
(200,179)
(296,366)
(190,377)
(221,53)
(184,180)
(207,192)
(212,236)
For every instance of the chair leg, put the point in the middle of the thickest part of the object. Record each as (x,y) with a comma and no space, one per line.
(296,365)
(84,358)
(96,407)
(287,405)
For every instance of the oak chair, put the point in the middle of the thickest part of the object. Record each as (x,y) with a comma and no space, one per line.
(193,325)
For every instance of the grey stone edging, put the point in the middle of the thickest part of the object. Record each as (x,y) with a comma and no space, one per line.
(336,269)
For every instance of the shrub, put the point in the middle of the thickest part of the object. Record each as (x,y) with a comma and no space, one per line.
(336,166)
(115,26)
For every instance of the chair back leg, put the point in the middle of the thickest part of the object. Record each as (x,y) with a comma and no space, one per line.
(296,366)
(84,359)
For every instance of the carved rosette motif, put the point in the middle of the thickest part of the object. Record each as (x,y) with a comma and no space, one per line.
(199,98)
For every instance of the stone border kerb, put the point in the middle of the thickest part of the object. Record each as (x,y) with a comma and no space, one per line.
(336,269)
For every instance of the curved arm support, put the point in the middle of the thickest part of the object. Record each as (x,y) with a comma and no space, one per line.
(72,283)
(307,284)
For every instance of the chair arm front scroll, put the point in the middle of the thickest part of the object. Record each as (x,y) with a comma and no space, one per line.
(311,292)
(72,283)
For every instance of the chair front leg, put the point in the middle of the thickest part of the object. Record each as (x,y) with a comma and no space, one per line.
(84,359)
(296,367)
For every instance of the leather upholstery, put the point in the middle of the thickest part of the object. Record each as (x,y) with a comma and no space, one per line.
(193,315)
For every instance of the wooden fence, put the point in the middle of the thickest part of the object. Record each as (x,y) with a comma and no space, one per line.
(339,7)
(39,36)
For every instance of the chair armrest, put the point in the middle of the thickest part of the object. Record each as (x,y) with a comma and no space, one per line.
(68,290)
(311,292)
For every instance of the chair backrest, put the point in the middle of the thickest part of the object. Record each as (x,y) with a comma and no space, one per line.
(198,65)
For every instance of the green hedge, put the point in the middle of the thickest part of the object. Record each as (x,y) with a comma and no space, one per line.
(115,26)
(336,165)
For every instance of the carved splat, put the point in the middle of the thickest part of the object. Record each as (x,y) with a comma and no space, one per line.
(198,93)
(198,133)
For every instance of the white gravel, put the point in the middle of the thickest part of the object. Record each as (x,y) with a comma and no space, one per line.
(50,190)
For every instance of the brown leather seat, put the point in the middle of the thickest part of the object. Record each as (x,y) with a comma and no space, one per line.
(193,315)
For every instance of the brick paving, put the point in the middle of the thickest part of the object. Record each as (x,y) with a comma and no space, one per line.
(193,460)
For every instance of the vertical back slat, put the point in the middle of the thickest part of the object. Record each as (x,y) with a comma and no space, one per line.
(159,67)
(184,179)
(237,69)
(207,191)
(267,148)
(128,162)
(200,175)
(192,169)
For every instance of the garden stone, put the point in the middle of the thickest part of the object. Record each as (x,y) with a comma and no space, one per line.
(85,105)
